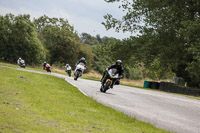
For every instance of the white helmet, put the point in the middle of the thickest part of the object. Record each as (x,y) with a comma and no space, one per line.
(83,58)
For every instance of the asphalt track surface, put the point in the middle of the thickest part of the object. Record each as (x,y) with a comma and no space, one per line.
(168,111)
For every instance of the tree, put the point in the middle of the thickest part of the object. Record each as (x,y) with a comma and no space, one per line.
(169,33)
(19,39)
(88,39)
(61,41)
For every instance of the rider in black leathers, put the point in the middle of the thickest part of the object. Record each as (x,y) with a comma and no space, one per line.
(44,65)
(118,66)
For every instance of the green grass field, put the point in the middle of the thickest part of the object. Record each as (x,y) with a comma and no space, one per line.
(41,103)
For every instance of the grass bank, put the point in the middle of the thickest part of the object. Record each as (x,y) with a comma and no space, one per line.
(42,103)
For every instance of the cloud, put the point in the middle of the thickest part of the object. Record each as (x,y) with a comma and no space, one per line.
(84,15)
(16,12)
(93,27)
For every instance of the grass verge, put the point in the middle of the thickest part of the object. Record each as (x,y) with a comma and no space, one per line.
(36,68)
(42,103)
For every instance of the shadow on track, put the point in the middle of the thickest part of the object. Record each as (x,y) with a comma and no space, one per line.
(106,93)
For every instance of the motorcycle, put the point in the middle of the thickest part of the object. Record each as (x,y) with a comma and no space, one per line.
(79,70)
(69,72)
(112,78)
(22,64)
(48,68)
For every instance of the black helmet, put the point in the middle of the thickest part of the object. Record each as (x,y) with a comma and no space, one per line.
(118,62)
(83,59)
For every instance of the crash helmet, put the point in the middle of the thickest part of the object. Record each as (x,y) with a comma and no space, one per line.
(83,59)
(20,58)
(118,63)
(48,65)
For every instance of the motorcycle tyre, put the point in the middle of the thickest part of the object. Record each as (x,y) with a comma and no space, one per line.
(76,75)
(106,86)
(69,74)
(101,89)
(22,66)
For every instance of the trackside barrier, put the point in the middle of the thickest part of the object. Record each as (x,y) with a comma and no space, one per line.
(173,88)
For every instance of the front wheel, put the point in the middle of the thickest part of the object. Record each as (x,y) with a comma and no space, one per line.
(76,74)
(106,86)
(69,73)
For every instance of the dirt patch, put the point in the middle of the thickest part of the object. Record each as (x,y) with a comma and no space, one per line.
(24,78)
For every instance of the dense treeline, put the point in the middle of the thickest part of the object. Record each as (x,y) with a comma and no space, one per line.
(18,38)
(61,41)
(55,41)
(107,50)
(169,34)
(43,39)
(168,44)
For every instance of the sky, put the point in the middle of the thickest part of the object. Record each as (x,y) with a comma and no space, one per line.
(85,15)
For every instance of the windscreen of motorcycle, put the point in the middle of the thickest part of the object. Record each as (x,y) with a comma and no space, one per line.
(81,66)
(22,61)
(113,73)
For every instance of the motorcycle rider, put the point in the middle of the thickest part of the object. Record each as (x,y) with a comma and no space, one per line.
(82,60)
(48,68)
(68,69)
(44,65)
(20,61)
(118,66)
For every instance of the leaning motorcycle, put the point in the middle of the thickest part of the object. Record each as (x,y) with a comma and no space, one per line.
(79,70)
(48,68)
(112,77)
(22,64)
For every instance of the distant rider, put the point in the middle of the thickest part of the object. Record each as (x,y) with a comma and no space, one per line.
(48,68)
(82,60)
(44,65)
(20,61)
(68,69)
(118,66)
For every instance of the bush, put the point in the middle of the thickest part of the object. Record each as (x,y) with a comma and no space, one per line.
(133,73)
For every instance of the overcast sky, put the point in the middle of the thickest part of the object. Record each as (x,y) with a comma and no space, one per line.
(84,15)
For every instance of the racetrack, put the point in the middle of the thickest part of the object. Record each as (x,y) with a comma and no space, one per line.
(168,111)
